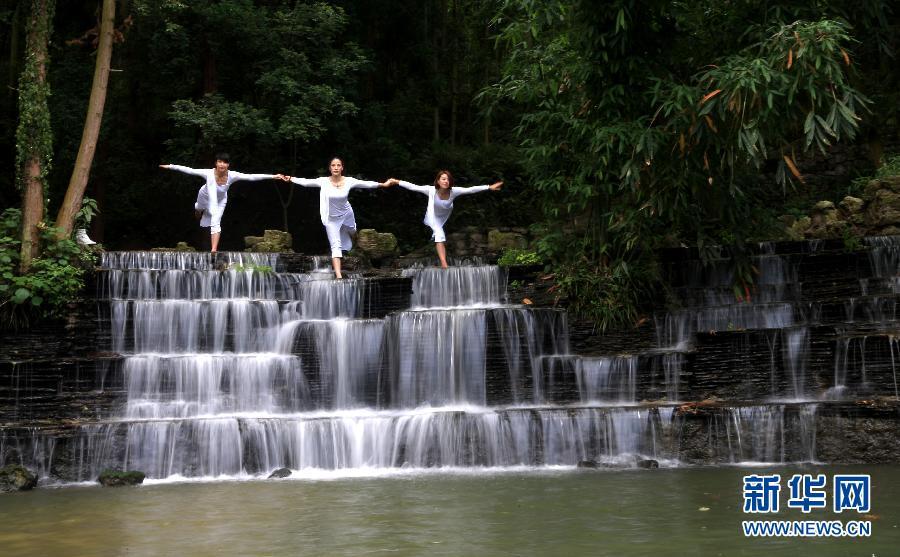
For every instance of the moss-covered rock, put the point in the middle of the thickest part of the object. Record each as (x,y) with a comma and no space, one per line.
(797,231)
(376,244)
(251,242)
(116,478)
(498,241)
(16,478)
(883,208)
(272,241)
(852,205)
(180,246)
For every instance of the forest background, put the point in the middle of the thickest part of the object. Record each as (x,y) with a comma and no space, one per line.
(619,127)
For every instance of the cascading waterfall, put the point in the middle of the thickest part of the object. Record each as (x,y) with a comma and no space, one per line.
(772,433)
(608,379)
(172,260)
(231,369)
(481,285)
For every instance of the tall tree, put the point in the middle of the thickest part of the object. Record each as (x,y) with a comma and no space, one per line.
(33,135)
(65,219)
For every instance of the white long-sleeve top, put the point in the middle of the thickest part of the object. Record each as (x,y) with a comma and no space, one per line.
(216,195)
(438,210)
(333,203)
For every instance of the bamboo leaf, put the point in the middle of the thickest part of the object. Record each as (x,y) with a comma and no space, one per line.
(846,56)
(793,168)
(710,95)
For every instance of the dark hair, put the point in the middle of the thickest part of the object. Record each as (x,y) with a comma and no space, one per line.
(223,157)
(438,177)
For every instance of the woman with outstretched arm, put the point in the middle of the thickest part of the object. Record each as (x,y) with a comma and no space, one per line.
(440,205)
(212,196)
(334,208)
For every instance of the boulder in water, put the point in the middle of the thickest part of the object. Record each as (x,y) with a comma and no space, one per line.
(115,478)
(14,477)
(648,463)
(587,464)
(280,473)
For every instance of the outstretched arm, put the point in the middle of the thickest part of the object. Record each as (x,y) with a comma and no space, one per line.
(305,182)
(457,191)
(367,184)
(412,187)
(185,169)
(254,177)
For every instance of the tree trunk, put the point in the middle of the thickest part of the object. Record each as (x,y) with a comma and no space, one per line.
(65,219)
(33,135)
(32,214)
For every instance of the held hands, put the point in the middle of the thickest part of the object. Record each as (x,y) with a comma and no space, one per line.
(283,177)
(496,185)
(390,182)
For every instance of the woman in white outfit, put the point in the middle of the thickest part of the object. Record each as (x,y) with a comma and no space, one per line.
(213,195)
(440,204)
(334,208)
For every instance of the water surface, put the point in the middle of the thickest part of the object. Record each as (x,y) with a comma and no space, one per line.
(550,512)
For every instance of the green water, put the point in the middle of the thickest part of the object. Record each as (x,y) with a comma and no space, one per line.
(635,512)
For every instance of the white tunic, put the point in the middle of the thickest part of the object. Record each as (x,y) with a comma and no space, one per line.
(335,210)
(438,210)
(212,196)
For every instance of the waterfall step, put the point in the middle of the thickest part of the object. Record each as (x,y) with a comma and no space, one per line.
(695,434)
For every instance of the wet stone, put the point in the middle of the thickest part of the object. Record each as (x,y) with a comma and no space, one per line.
(280,473)
(114,478)
(16,478)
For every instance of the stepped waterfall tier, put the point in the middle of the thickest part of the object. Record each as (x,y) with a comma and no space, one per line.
(237,364)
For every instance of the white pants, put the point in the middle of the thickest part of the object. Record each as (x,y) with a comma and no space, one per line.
(438,234)
(339,237)
(214,222)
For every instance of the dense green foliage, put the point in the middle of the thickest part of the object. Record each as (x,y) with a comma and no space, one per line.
(618,128)
(55,279)
(513,256)
(636,139)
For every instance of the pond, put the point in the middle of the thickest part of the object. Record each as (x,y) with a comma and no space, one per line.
(557,511)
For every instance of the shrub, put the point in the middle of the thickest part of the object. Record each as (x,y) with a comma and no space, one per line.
(56,276)
(513,256)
